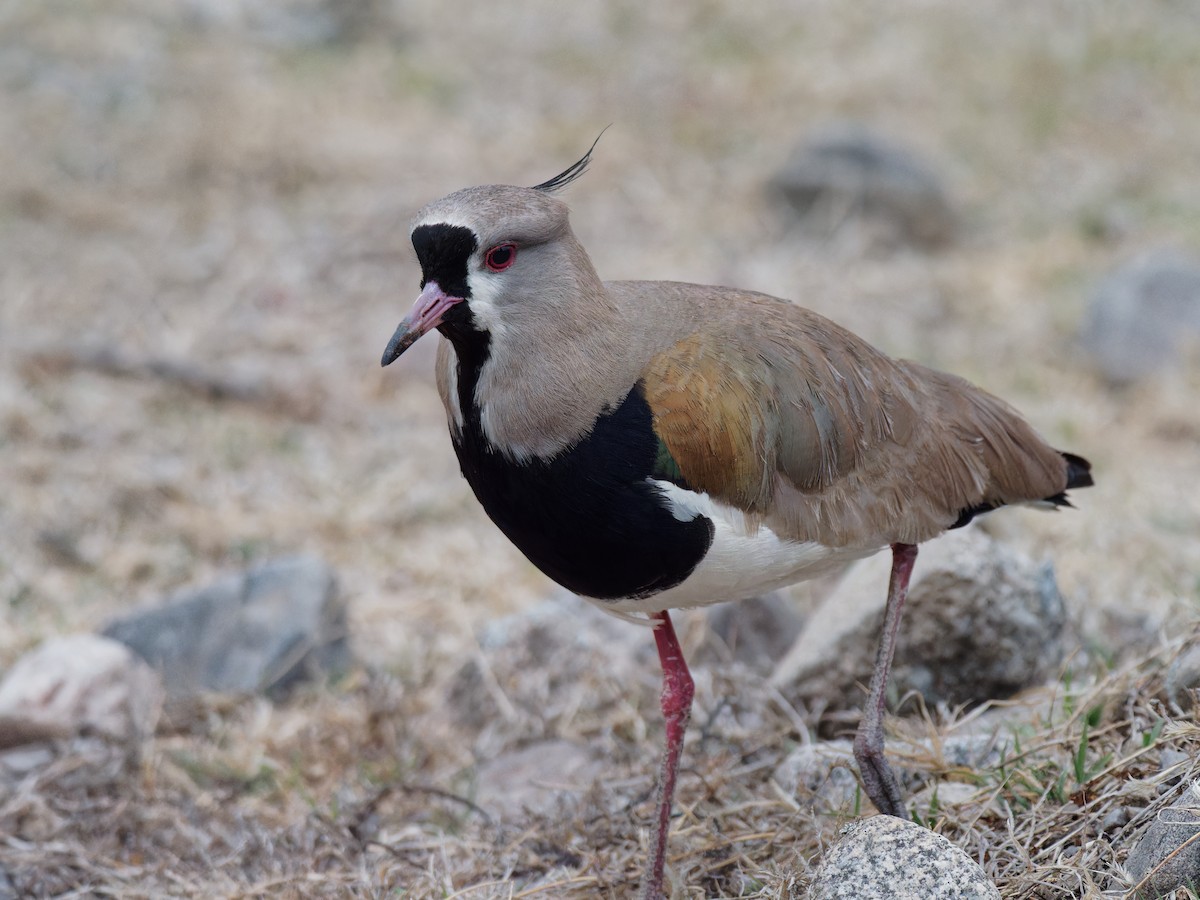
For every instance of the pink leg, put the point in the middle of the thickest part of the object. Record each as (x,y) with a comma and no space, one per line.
(677,694)
(877,777)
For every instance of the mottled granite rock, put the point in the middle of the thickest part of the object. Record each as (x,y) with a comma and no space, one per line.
(885,858)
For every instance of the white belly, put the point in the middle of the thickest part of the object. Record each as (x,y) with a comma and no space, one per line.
(742,561)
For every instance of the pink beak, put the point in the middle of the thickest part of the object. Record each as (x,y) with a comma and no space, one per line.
(426,315)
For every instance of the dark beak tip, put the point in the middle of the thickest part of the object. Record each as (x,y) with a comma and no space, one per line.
(401,341)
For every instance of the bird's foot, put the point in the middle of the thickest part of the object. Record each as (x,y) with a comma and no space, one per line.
(879,781)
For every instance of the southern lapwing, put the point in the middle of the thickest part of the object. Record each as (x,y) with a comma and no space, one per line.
(652,445)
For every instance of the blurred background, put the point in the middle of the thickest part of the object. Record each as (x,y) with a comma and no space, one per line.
(226,186)
(203,250)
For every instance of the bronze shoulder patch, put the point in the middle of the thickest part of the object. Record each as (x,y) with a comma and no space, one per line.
(708,415)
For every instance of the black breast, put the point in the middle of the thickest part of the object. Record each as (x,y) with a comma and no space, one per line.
(589,518)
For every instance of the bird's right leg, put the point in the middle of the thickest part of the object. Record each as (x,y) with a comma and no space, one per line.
(877,776)
(677,691)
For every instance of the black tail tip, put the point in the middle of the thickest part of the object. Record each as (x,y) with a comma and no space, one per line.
(1079,471)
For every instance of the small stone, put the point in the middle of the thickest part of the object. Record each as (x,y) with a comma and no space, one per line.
(1183,678)
(983,750)
(18,761)
(982,622)
(1142,316)
(535,778)
(75,684)
(1117,817)
(847,173)
(757,632)
(264,630)
(823,771)
(954,801)
(1167,855)
(883,858)
(1169,758)
(943,795)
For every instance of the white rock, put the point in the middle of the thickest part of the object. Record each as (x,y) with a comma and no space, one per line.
(75,684)
(885,858)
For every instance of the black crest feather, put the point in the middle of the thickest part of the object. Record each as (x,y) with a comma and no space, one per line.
(562,179)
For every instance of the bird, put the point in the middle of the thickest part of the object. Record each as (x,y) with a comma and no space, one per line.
(653,445)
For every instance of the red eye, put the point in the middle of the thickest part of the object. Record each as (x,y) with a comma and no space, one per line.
(500,257)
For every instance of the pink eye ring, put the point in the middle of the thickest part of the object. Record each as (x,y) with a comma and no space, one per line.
(500,257)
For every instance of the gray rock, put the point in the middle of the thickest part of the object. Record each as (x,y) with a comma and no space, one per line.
(823,771)
(535,778)
(849,173)
(982,622)
(757,632)
(884,858)
(78,684)
(1142,316)
(1167,855)
(265,629)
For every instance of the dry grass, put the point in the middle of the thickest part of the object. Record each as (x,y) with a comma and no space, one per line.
(220,190)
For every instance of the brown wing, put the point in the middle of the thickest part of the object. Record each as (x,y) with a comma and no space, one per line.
(787,416)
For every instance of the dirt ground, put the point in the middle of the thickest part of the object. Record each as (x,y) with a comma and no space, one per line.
(203,250)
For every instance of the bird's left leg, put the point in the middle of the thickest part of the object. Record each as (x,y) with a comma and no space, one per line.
(677,691)
(878,779)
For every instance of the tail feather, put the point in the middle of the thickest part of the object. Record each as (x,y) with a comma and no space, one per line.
(1079,471)
(1079,475)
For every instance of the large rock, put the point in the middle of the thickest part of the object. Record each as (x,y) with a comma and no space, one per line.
(758,631)
(75,685)
(1167,855)
(261,630)
(885,858)
(537,669)
(1142,316)
(982,621)
(536,777)
(847,173)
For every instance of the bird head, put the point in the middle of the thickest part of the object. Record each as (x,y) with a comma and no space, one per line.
(481,250)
